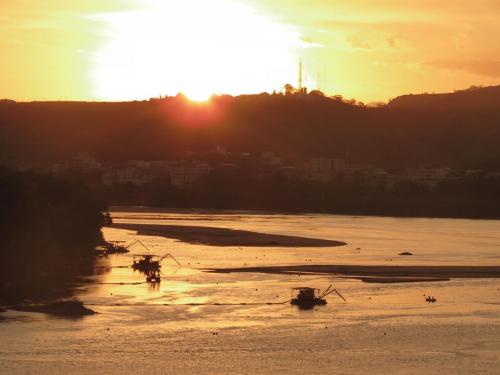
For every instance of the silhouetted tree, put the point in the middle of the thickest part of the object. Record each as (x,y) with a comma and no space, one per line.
(48,230)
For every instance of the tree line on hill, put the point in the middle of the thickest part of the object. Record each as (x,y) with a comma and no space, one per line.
(409,131)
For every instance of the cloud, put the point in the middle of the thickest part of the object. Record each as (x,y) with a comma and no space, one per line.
(306,39)
(487,68)
(394,41)
(50,14)
(358,42)
(308,42)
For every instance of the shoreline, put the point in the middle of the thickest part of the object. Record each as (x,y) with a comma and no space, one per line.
(213,236)
(235,211)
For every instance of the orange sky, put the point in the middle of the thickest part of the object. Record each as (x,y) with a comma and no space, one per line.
(132,49)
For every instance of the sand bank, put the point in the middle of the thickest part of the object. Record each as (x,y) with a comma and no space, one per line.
(390,280)
(224,236)
(379,274)
(72,308)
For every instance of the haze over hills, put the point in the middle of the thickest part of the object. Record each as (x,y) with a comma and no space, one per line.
(459,129)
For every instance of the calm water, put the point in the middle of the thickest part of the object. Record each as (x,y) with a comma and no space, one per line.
(380,329)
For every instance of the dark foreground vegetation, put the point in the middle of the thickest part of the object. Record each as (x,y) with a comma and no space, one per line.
(48,230)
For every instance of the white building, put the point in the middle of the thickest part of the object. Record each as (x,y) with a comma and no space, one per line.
(324,169)
(187,174)
(427,176)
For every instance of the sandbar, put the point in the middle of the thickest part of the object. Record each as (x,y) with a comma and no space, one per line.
(224,236)
(378,274)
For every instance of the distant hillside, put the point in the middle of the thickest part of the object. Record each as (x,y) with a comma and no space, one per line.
(296,127)
(472,98)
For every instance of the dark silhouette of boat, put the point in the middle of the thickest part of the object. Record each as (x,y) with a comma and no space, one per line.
(307,298)
(112,247)
(431,299)
(146,262)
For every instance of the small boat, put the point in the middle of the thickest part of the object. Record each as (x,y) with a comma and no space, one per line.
(430,299)
(111,247)
(307,298)
(146,263)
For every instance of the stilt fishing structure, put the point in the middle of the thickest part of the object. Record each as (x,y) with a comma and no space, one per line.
(307,298)
(146,262)
(150,264)
(112,247)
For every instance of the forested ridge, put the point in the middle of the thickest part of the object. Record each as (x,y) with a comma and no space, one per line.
(409,131)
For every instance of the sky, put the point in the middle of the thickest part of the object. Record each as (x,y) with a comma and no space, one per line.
(137,49)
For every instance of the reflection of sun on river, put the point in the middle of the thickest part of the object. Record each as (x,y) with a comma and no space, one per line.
(370,240)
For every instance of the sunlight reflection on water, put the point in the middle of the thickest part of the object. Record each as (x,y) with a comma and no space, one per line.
(189,305)
(370,240)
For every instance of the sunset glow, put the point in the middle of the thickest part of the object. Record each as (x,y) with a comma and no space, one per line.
(249,187)
(195,47)
(137,49)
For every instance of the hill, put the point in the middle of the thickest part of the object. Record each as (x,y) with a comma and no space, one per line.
(474,98)
(400,134)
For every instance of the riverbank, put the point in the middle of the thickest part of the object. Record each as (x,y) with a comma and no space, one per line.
(69,308)
(242,211)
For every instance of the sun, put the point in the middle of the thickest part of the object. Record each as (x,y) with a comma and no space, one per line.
(201,95)
(197,47)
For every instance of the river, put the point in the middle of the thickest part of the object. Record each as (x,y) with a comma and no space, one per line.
(202,322)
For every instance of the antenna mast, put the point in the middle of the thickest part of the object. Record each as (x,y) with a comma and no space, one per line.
(300,75)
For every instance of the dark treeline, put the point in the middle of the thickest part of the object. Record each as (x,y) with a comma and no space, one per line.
(48,230)
(404,133)
(471,198)
(474,98)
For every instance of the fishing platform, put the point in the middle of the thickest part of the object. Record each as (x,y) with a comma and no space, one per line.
(306,297)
